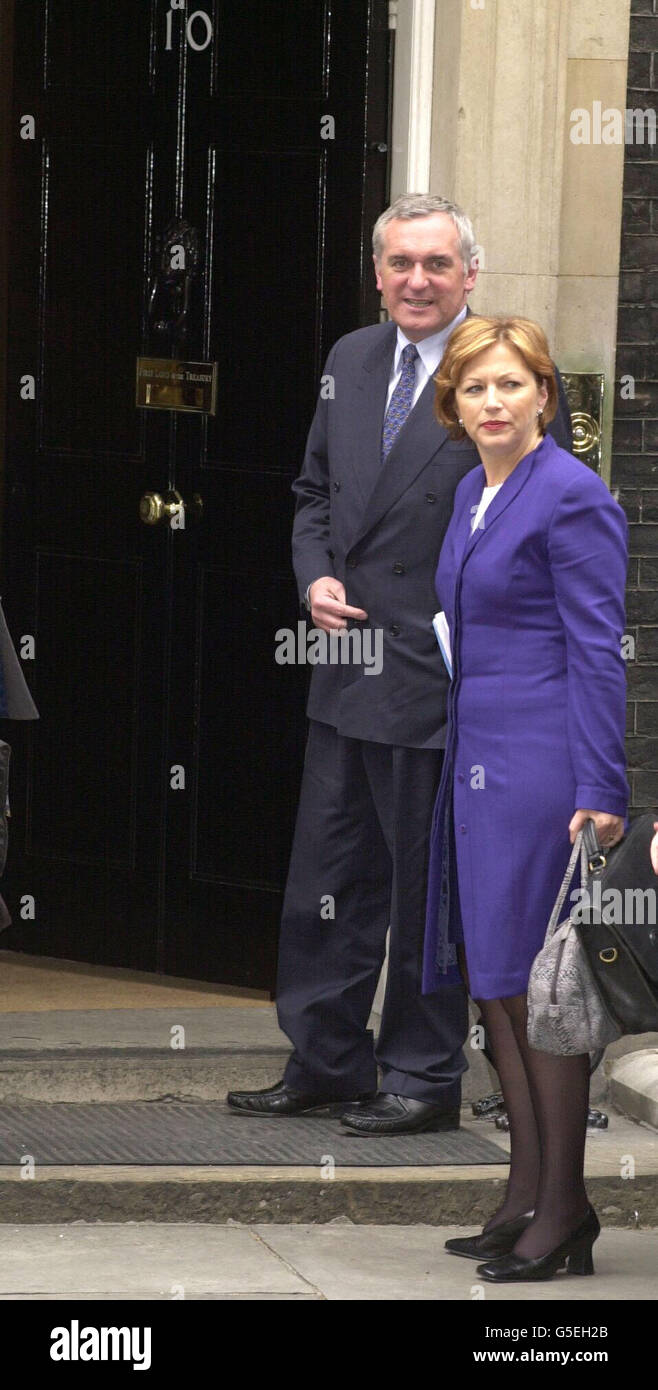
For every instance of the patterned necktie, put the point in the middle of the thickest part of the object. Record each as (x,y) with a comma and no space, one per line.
(401,401)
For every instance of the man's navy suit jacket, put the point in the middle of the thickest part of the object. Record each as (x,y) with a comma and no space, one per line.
(378,528)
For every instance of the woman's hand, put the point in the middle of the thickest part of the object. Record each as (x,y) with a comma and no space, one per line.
(610,829)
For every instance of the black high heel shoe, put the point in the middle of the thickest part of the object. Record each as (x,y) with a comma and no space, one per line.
(490,1244)
(575,1252)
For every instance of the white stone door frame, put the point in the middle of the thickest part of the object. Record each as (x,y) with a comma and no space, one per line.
(413,78)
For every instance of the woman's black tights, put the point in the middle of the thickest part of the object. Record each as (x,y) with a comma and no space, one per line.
(547,1099)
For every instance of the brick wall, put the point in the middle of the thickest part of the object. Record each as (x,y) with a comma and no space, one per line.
(635,440)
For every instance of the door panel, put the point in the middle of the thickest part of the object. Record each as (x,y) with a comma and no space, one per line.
(154,801)
(90,320)
(92,666)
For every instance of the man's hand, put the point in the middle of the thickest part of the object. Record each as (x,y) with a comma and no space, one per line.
(329,610)
(610,829)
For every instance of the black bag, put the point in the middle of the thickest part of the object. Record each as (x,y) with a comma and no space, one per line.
(5,754)
(616,925)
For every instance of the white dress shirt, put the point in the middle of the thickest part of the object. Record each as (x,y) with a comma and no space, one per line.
(430,352)
(488,494)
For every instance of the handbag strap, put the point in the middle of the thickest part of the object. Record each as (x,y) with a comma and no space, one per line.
(596,859)
(578,852)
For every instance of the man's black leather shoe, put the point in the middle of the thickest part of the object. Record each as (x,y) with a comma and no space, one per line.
(391,1114)
(282,1100)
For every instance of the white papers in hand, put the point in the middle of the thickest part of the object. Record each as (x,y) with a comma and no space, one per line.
(442,632)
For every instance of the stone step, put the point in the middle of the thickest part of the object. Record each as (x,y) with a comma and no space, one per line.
(139,1054)
(127,1054)
(634,1085)
(142,1076)
(401,1196)
(155,1054)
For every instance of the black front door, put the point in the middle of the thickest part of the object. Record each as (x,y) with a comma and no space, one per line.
(153,803)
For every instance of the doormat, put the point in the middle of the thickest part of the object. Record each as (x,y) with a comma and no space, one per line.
(191,1133)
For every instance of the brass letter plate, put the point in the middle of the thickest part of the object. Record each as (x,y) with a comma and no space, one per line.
(163,383)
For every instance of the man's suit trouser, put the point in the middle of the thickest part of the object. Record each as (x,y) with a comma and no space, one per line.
(359,862)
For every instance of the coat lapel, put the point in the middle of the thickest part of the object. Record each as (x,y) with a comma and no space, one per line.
(367,432)
(510,489)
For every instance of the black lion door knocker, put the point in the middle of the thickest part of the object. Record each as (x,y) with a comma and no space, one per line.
(171,291)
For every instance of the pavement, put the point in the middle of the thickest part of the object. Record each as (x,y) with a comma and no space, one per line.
(336,1262)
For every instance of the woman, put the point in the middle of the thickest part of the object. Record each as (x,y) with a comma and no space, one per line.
(531,579)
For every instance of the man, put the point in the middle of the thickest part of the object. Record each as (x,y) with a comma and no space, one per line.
(373,502)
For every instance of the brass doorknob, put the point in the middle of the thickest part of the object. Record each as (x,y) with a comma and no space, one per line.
(153,508)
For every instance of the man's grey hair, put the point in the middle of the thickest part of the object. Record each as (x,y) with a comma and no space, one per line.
(423,205)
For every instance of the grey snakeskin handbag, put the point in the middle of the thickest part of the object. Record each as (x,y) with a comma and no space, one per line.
(566,1014)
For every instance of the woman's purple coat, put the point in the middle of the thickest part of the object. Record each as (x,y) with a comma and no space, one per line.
(534,600)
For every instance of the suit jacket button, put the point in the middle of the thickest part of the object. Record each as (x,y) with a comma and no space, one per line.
(394,630)
(398,568)
(331,555)
(336,487)
(430,497)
